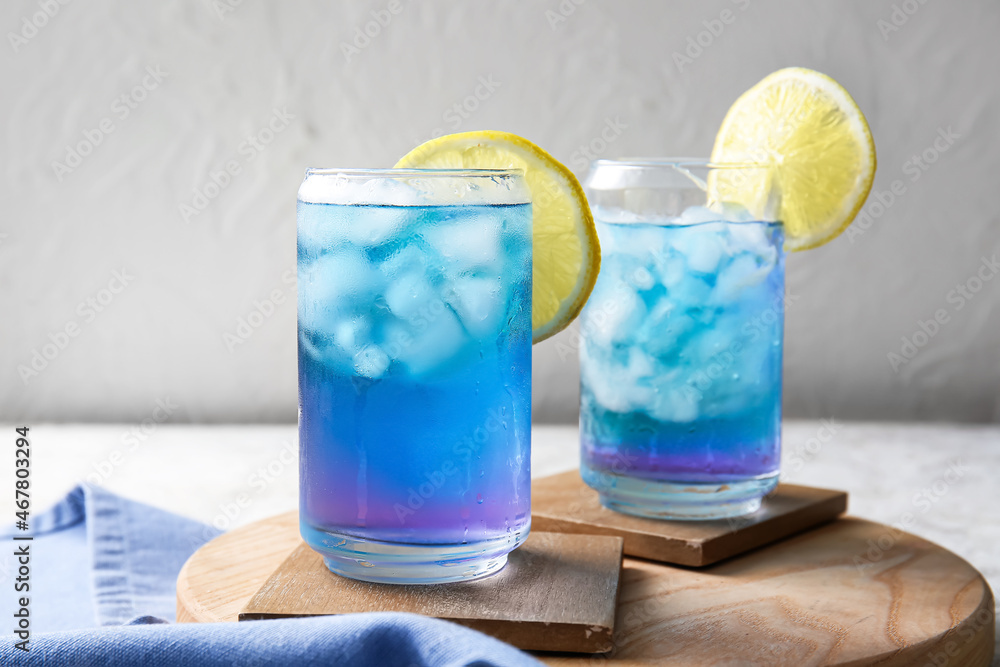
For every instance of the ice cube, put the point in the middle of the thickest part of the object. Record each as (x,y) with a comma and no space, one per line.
(639,253)
(680,405)
(701,248)
(352,334)
(339,189)
(322,227)
(319,229)
(614,314)
(347,349)
(600,381)
(694,215)
(643,278)
(370,226)
(371,362)
(618,386)
(752,238)
(640,366)
(634,240)
(392,192)
(663,328)
(760,357)
(410,295)
(429,343)
(690,292)
(712,346)
(411,258)
(670,268)
(602,297)
(480,303)
(467,242)
(335,286)
(321,349)
(731,212)
(738,275)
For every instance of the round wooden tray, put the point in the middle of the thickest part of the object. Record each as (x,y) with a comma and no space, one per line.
(851,592)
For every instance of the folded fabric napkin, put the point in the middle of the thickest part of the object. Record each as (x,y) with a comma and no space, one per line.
(101,592)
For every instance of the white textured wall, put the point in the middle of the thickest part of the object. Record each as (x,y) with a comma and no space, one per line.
(558,82)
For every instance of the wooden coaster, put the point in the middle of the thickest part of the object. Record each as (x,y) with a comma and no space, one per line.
(557,593)
(564,504)
(848,593)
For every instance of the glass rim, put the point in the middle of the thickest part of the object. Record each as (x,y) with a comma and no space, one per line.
(411,172)
(420,187)
(676,162)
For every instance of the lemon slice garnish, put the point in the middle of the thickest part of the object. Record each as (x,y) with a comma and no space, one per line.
(817,148)
(566,254)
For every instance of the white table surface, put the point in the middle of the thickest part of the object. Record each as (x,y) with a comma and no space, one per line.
(232,475)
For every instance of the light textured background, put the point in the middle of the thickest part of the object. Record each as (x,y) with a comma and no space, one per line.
(560,83)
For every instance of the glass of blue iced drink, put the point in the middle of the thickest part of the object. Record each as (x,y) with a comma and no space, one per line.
(681,344)
(414,320)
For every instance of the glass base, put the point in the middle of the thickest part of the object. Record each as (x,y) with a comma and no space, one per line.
(686,501)
(392,563)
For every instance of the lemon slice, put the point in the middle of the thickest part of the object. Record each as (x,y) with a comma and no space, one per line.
(818,150)
(566,255)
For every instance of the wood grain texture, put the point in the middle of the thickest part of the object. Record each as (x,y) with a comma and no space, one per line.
(850,592)
(824,597)
(563,503)
(219,578)
(557,592)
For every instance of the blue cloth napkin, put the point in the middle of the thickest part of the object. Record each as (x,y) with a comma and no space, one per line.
(102,575)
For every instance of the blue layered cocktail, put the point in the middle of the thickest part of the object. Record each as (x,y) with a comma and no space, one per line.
(414,371)
(681,347)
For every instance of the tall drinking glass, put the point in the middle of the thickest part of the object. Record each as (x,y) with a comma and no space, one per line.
(414,315)
(681,344)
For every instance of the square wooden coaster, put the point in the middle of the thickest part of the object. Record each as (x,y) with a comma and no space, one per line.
(563,503)
(558,592)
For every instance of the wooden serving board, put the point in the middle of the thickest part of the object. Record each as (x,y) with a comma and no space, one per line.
(563,503)
(850,592)
(557,592)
